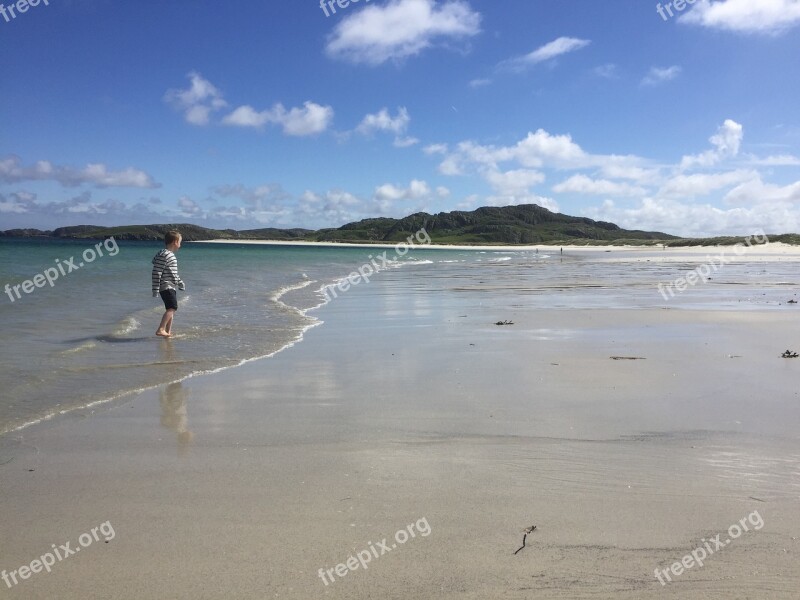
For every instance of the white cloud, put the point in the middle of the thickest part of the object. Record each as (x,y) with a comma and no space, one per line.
(516,182)
(96,174)
(435,149)
(639,177)
(469,203)
(628,167)
(340,198)
(581,184)
(198,101)
(189,207)
(311,119)
(451,166)
(334,206)
(665,192)
(256,196)
(21,209)
(549,51)
(405,142)
(755,191)
(399,29)
(10,206)
(269,205)
(476,83)
(745,16)
(247,116)
(658,75)
(538,149)
(383,121)
(18,203)
(513,187)
(698,220)
(543,149)
(416,189)
(780,160)
(202,98)
(726,144)
(702,184)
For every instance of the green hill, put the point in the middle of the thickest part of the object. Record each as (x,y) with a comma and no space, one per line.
(507,225)
(523,224)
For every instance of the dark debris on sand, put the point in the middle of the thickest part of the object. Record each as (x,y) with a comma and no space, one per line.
(525,533)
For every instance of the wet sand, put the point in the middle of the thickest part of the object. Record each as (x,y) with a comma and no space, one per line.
(406,406)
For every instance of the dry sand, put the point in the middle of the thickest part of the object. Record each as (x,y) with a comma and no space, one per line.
(243,484)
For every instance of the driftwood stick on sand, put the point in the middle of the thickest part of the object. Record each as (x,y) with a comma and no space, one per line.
(525,536)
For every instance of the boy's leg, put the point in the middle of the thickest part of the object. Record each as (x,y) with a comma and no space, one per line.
(165,326)
(170,298)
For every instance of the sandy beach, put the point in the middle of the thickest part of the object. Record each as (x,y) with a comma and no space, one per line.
(772,252)
(428,405)
(628,434)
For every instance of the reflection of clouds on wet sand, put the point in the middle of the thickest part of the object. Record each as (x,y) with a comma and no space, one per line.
(174,414)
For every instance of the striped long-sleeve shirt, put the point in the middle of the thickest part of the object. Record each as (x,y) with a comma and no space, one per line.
(165,272)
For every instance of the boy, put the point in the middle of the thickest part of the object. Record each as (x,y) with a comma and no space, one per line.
(165,279)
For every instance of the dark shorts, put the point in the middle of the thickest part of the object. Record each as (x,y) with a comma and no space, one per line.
(170,298)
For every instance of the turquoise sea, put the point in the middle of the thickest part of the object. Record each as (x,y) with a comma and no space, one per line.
(89,338)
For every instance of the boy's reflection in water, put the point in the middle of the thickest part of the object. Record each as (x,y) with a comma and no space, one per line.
(174,414)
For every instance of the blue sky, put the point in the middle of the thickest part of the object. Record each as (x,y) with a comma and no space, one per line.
(271,114)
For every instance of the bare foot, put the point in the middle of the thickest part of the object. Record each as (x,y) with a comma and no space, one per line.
(163,333)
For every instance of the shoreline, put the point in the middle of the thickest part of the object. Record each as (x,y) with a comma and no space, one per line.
(771,248)
(125,395)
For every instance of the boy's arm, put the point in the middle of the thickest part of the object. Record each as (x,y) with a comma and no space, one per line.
(172,265)
(156,278)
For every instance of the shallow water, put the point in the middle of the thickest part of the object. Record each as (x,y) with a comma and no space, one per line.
(89,338)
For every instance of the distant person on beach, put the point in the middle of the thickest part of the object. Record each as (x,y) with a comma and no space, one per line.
(165,280)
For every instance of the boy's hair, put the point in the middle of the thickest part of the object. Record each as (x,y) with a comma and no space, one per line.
(172,236)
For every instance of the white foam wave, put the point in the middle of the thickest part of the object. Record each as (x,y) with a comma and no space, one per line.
(80,347)
(281,292)
(127,325)
(314,322)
